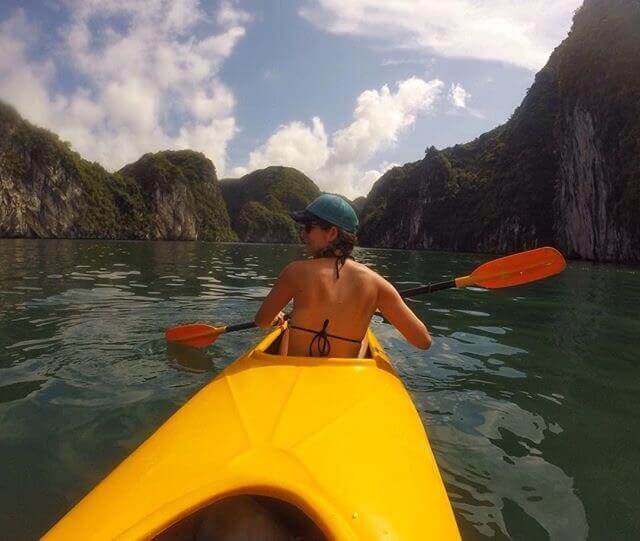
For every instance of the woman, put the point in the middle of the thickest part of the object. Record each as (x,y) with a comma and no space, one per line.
(333,296)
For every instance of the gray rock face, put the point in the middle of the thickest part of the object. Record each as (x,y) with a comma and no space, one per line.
(173,219)
(46,206)
(36,199)
(585,227)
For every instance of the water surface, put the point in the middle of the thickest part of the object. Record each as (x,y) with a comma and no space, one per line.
(529,394)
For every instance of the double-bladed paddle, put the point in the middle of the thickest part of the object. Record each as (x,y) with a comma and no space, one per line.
(511,270)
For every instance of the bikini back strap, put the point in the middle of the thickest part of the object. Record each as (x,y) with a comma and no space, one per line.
(340,261)
(322,339)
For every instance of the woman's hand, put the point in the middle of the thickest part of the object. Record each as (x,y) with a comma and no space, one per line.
(278,320)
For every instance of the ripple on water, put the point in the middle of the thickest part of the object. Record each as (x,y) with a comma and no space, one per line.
(488,463)
(488,446)
(19,390)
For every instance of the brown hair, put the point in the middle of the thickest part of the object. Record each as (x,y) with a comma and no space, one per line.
(341,247)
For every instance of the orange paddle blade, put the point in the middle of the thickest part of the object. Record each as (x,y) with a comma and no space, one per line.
(516,269)
(197,335)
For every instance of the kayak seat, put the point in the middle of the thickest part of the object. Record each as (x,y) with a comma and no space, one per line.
(245,518)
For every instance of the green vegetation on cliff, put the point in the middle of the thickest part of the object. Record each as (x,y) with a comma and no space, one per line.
(57,181)
(471,197)
(564,170)
(183,194)
(48,190)
(260,203)
(114,206)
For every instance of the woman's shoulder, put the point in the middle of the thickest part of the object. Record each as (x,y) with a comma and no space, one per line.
(300,264)
(307,263)
(366,271)
(298,267)
(311,265)
(364,268)
(373,277)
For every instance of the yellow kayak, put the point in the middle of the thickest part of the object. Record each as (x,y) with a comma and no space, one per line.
(278,447)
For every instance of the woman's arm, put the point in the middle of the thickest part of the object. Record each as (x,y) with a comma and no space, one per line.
(395,310)
(281,293)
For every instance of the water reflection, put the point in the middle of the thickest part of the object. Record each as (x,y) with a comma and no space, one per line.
(196,360)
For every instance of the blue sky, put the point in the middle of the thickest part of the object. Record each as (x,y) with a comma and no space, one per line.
(340,89)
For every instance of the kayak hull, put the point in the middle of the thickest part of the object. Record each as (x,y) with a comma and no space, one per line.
(337,438)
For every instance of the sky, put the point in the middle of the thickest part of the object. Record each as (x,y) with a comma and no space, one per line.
(339,89)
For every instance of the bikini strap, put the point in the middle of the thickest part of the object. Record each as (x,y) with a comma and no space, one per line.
(340,261)
(324,347)
(322,338)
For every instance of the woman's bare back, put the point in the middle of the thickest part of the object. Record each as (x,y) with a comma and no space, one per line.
(347,302)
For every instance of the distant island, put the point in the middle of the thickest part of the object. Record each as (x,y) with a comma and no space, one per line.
(260,203)
(564,170)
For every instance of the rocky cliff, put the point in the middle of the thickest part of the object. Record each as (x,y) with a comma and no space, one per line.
(49,191)
(183,196)
(564,170)
(358,204)
(260,203)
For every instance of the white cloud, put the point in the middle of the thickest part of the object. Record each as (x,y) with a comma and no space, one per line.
(210,139)
(337,163)
(229,14)
(25,82)
(213,103)
(131,104)
(149,72)
(510,31)
(181,15)
(219,47)
(458,95)
(294,145)
(380,116)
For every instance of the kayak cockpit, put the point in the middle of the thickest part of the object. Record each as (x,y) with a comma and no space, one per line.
(245,517)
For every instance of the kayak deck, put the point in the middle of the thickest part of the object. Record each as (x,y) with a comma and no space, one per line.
(337,439)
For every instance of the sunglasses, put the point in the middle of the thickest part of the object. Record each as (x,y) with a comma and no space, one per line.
(308,226)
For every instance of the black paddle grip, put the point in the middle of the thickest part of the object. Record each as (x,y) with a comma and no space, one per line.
(429,288)
(241,326)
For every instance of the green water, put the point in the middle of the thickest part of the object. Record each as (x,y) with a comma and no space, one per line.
(529,394)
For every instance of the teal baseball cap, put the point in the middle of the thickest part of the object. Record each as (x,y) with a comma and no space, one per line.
(330,208)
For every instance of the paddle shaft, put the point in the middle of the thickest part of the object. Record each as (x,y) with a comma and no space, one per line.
(241,326)
(429,288)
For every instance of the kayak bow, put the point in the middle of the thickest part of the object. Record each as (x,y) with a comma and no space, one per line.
(337,441)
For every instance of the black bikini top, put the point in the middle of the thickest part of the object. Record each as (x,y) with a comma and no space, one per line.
(322,336)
